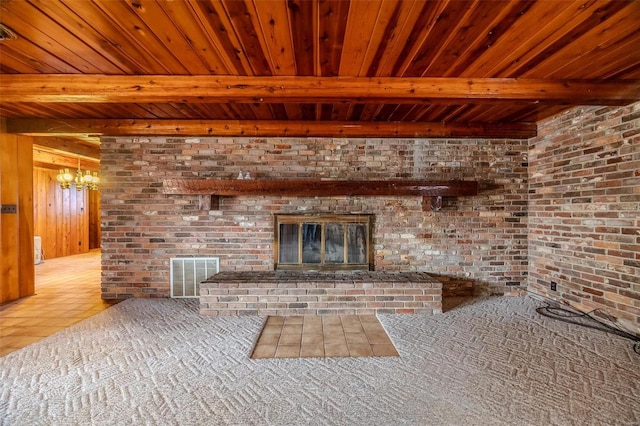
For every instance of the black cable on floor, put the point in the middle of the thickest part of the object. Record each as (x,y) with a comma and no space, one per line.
(588,319)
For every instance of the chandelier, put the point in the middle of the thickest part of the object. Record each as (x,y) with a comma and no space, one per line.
(87,180)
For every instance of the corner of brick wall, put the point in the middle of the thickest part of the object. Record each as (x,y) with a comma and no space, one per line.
(584,207)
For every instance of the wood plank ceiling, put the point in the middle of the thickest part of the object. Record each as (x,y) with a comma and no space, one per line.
(312,67)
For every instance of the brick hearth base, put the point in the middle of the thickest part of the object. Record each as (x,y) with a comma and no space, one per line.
(320,293)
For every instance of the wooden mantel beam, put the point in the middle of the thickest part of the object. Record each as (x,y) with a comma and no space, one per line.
(209,190)
(56,88)
(270,128)
(318,188)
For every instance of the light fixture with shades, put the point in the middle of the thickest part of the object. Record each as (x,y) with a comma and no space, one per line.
(87,180)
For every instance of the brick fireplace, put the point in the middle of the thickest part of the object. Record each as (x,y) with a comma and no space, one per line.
(322,266)
(474,244)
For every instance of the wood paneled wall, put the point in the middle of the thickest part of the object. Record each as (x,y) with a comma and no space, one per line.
(17,277)
(95,230)
(62,216)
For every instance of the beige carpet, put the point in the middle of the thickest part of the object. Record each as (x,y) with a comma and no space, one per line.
(494,361)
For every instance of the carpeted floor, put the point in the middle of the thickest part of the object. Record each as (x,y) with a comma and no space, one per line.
(492,361)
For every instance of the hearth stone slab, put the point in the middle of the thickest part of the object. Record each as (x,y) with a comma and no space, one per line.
(320,293)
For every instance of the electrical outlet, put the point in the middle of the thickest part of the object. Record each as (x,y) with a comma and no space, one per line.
(9,208)
(554,286)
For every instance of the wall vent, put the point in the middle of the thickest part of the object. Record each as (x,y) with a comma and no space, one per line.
(188,272)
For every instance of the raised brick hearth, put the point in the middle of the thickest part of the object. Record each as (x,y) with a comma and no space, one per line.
(314,293)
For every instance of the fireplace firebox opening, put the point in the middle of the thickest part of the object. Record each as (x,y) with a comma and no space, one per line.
(323,242)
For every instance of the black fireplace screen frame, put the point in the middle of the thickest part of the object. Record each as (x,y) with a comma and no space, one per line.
(323,242)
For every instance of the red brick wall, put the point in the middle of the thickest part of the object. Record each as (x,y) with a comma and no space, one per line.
(478,241)
(584,223)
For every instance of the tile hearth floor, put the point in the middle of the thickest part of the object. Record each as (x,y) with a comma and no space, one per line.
(323,336)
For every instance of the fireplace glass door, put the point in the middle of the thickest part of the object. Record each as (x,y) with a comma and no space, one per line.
(322,242)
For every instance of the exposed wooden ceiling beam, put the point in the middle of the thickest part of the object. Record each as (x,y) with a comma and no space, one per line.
(55,88)
(51,160)
(57,144)
(39,127)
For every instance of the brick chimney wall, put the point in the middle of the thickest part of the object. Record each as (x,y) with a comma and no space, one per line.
(474,244)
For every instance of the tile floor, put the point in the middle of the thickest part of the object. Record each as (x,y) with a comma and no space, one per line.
(67,291)
(323,336)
